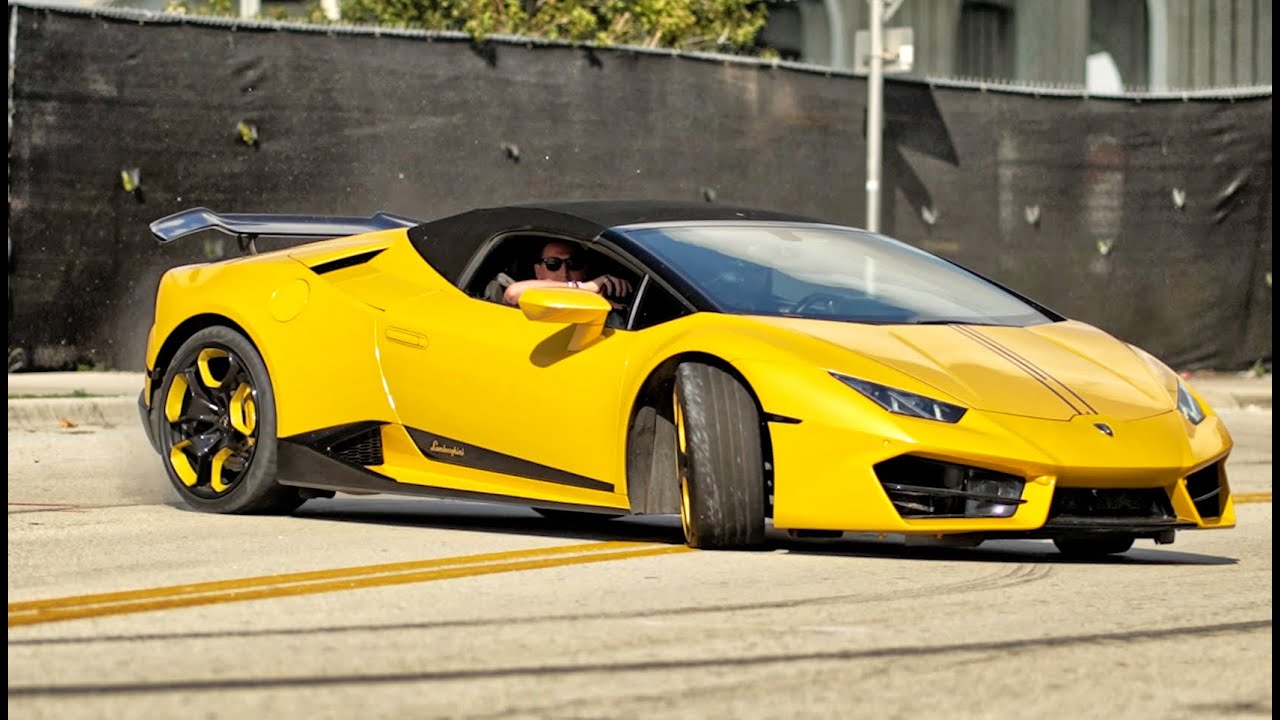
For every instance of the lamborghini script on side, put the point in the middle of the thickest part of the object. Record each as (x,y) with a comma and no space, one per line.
(762,367)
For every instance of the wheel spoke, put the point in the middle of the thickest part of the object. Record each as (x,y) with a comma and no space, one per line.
(232,379)
(235,373)
(195,384)
(204,443)
(199,410)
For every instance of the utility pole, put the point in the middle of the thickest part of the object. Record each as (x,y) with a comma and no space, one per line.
(875,114)
(900,58)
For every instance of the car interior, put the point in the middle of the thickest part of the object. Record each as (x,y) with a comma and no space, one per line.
(515,256)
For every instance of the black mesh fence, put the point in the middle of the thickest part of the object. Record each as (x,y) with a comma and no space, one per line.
(1150,218)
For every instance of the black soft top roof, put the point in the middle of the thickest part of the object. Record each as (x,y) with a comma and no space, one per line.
(449,243)
(616,213)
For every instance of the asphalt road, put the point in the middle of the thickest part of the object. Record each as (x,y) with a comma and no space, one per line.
(381,607)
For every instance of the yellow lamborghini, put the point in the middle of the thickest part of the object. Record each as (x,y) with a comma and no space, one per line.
(742,367)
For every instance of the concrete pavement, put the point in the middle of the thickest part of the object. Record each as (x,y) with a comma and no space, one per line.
(43,400)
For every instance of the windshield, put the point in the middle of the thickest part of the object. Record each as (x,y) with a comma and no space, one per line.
(828,273)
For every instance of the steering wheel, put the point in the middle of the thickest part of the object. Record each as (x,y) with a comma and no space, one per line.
(814,302)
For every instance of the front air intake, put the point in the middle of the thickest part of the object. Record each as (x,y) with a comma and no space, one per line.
(925,488)
(1205,488)
(1087,506)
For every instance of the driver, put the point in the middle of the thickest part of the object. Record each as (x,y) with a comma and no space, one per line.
(559,264)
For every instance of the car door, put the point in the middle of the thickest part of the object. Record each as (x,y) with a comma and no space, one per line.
(501,401)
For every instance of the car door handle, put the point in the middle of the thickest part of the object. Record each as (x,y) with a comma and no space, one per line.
(407,337)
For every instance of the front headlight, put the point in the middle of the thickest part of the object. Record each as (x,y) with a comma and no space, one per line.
(903,402)
(1188,406)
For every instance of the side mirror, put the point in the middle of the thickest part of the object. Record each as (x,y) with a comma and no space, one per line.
(563,305)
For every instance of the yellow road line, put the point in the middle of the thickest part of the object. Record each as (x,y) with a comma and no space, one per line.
(1242,498)
(320,581)
(272,580)
(84,606)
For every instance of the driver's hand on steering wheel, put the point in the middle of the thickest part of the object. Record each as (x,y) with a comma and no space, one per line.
(609,287)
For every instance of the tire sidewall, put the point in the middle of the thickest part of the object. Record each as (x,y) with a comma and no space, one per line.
(716,509)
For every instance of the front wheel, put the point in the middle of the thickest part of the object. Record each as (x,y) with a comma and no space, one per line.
(719,459)
(1087,548)
(217,426)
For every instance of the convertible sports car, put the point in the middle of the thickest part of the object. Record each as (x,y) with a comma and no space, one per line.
(763,368)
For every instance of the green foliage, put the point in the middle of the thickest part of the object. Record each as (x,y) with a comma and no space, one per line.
(212,7)
(709,25)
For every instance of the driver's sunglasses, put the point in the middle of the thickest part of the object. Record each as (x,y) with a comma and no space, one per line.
(553,263)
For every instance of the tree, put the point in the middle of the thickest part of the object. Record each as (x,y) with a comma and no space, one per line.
(709,25)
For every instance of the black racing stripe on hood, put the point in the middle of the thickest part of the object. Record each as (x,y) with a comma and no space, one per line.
(1044,378)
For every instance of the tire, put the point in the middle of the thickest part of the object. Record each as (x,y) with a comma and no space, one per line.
(1087,548)
(719,460)
(216,427)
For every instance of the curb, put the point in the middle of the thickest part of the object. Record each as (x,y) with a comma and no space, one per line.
(67,413)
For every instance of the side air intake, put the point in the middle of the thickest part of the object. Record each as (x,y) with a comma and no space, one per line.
(362,450)
(356,444)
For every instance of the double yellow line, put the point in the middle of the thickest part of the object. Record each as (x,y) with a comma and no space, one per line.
(321,581)
(1246,498)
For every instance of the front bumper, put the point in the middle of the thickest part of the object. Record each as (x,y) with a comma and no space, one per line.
(826,478)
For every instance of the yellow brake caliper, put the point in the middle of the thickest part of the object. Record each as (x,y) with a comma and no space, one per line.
(244,411)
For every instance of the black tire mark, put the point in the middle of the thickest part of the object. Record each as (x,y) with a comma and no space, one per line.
(1014,576)
(941,652)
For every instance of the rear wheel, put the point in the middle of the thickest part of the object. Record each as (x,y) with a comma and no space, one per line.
(217,427)
(1085,548)
(719,459)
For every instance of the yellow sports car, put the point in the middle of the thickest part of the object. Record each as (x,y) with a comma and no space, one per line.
(734,366)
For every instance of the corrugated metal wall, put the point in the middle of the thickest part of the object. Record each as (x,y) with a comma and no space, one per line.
(1156,44)
(1052,39)
(1217,44)
(934,27)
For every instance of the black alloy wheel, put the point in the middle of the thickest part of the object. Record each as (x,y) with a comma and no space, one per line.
(217,426)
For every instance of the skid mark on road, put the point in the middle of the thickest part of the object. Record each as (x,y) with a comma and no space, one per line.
(685,664)
(322,581)
(1001,579)
(30,507)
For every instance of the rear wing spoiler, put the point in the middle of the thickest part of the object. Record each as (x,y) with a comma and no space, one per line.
(249,227)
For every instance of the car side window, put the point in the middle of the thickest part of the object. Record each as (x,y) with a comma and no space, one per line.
(509,260)
(656,305)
